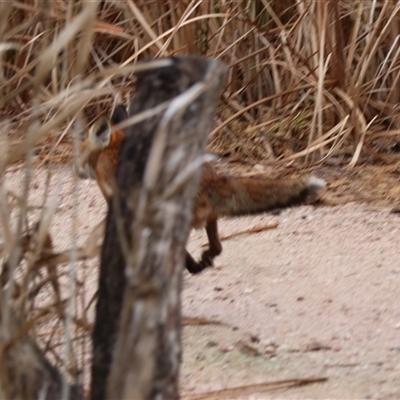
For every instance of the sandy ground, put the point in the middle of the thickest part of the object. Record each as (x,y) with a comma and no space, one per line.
(316,297)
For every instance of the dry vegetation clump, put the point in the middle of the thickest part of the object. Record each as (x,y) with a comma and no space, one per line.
(307,80)
(308,77)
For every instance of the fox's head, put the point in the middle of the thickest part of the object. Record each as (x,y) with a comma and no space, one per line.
(99,140)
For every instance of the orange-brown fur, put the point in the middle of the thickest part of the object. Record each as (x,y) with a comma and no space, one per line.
(101,163)
(219,195)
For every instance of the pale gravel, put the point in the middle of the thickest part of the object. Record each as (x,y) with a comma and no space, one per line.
(326,275)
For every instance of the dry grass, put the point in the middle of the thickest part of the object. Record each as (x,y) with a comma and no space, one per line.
(303,74)
(308,80)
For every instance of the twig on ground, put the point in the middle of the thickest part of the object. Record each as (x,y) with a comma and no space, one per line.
(248,390)
(255,229)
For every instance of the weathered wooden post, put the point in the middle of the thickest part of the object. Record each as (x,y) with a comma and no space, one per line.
(136,337)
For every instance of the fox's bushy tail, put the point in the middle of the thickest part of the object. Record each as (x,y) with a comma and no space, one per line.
(251,195)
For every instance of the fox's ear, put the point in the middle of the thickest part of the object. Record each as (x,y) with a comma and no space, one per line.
(120,114)
(100,133)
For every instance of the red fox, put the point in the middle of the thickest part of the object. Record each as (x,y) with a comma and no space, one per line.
(219,195)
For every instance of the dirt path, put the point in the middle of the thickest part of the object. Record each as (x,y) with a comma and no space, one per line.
(317,297)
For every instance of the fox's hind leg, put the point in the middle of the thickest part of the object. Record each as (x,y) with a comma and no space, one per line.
(192,265)
(215,246)
(207,258)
